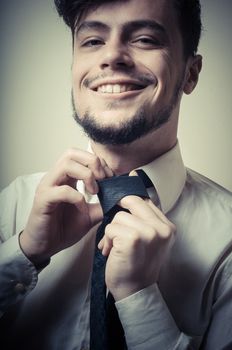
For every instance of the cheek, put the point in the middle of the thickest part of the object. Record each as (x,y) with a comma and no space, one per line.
(79,72)
(160,65)
(167,73)
(164,67)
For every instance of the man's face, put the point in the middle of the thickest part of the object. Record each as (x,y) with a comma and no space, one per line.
(128,69)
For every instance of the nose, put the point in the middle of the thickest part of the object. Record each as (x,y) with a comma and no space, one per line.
(116,56)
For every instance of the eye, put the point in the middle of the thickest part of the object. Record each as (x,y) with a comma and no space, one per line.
(92,42)
(146,42)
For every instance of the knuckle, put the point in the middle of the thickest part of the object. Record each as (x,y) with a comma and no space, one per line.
(128,200)
(64,190)
(69,152)
(134,238)
(65,163)
(61,165)
(119,216)
(151,232)
(88,175)
(167,231)
(95,161)
(65,157)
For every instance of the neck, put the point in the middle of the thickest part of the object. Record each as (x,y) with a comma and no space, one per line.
(124,158)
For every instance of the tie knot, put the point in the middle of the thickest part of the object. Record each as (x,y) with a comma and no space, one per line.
(113,189)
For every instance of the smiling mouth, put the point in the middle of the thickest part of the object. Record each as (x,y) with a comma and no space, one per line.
(118,88)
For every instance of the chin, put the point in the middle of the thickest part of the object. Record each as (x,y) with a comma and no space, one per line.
(111,118)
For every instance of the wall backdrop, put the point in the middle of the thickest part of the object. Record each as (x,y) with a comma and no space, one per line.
(36,123)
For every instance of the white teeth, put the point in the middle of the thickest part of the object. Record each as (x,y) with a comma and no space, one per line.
(109,88)
(116,88)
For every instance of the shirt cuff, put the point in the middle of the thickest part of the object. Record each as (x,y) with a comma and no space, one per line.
(147,322)
(18,276)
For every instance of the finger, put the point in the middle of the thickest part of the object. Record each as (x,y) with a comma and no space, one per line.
(143,208)
(71,170)
(108,171)
(89,160)
(138,207)
(48,198)
(158,212)
(101,243)
(105,245)
(149,230)
(148,213)
(95,213)
(137,224)
(120,238)
(86,159)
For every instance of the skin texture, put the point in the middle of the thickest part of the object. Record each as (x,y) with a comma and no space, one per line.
(116,51)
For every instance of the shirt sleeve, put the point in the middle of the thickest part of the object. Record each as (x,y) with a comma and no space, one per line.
(147,322)
(18,276)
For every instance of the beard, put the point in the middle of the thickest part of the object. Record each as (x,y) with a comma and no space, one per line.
(141,124)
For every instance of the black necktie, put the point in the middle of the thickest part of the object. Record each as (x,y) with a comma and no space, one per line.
(106,332)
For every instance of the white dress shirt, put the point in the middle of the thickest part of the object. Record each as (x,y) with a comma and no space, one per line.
(189,308)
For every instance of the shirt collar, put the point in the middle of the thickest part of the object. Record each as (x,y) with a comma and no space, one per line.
(168,175)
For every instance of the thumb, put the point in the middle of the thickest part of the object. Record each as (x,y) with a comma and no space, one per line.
(95,213)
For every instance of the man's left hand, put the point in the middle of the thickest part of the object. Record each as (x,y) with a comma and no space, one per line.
(136,243)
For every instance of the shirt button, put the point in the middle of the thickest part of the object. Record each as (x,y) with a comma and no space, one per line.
(20,288)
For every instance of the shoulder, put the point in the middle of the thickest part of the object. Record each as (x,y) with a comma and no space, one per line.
(204,189)
(22,183)
(203,217)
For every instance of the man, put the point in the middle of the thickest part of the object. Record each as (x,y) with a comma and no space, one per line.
(168,269)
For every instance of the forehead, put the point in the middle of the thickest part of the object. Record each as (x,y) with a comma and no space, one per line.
(117,12)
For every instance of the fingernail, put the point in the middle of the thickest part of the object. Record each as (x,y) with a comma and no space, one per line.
(133,173)
(100,245)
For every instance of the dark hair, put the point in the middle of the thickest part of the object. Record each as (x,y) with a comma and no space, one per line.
(189,17)
(188,12)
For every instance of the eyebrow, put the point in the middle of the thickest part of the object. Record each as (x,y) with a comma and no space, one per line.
(141,24)
(92,25)
(127,27)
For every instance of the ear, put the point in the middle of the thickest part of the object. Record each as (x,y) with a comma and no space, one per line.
(193,70)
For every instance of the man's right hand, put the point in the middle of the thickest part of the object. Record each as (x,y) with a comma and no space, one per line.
(60,216)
